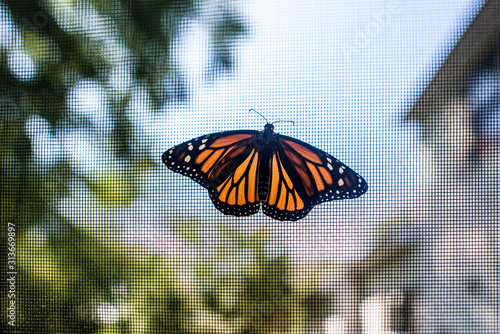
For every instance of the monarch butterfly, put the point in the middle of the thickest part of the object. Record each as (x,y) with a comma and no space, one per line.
(242,168)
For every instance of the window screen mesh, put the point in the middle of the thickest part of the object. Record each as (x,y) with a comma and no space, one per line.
(99,236)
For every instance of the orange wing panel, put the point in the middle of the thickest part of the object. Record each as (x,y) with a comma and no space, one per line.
(229,140)
(304,152)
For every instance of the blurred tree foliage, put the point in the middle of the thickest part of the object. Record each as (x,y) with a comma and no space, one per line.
(74,277)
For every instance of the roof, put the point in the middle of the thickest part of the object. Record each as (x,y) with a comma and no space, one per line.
(479,41)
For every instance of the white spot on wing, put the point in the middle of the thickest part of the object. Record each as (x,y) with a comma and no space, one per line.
(341,170)
(204,141)
(330,167)
(201,147)
(341,182)
(187,158)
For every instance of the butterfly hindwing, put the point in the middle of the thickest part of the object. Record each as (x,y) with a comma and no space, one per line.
(302,176)
(226,163)
(283,200)
(238,194)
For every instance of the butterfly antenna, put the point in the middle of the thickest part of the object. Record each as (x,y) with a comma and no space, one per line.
(283,121)
(255,111)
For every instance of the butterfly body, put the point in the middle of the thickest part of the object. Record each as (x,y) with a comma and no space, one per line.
(243,168)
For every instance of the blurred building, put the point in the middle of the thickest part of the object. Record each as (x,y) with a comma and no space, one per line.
(457,273)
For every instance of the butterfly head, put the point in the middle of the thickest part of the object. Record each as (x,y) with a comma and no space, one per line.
(268,127)
(267,136)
